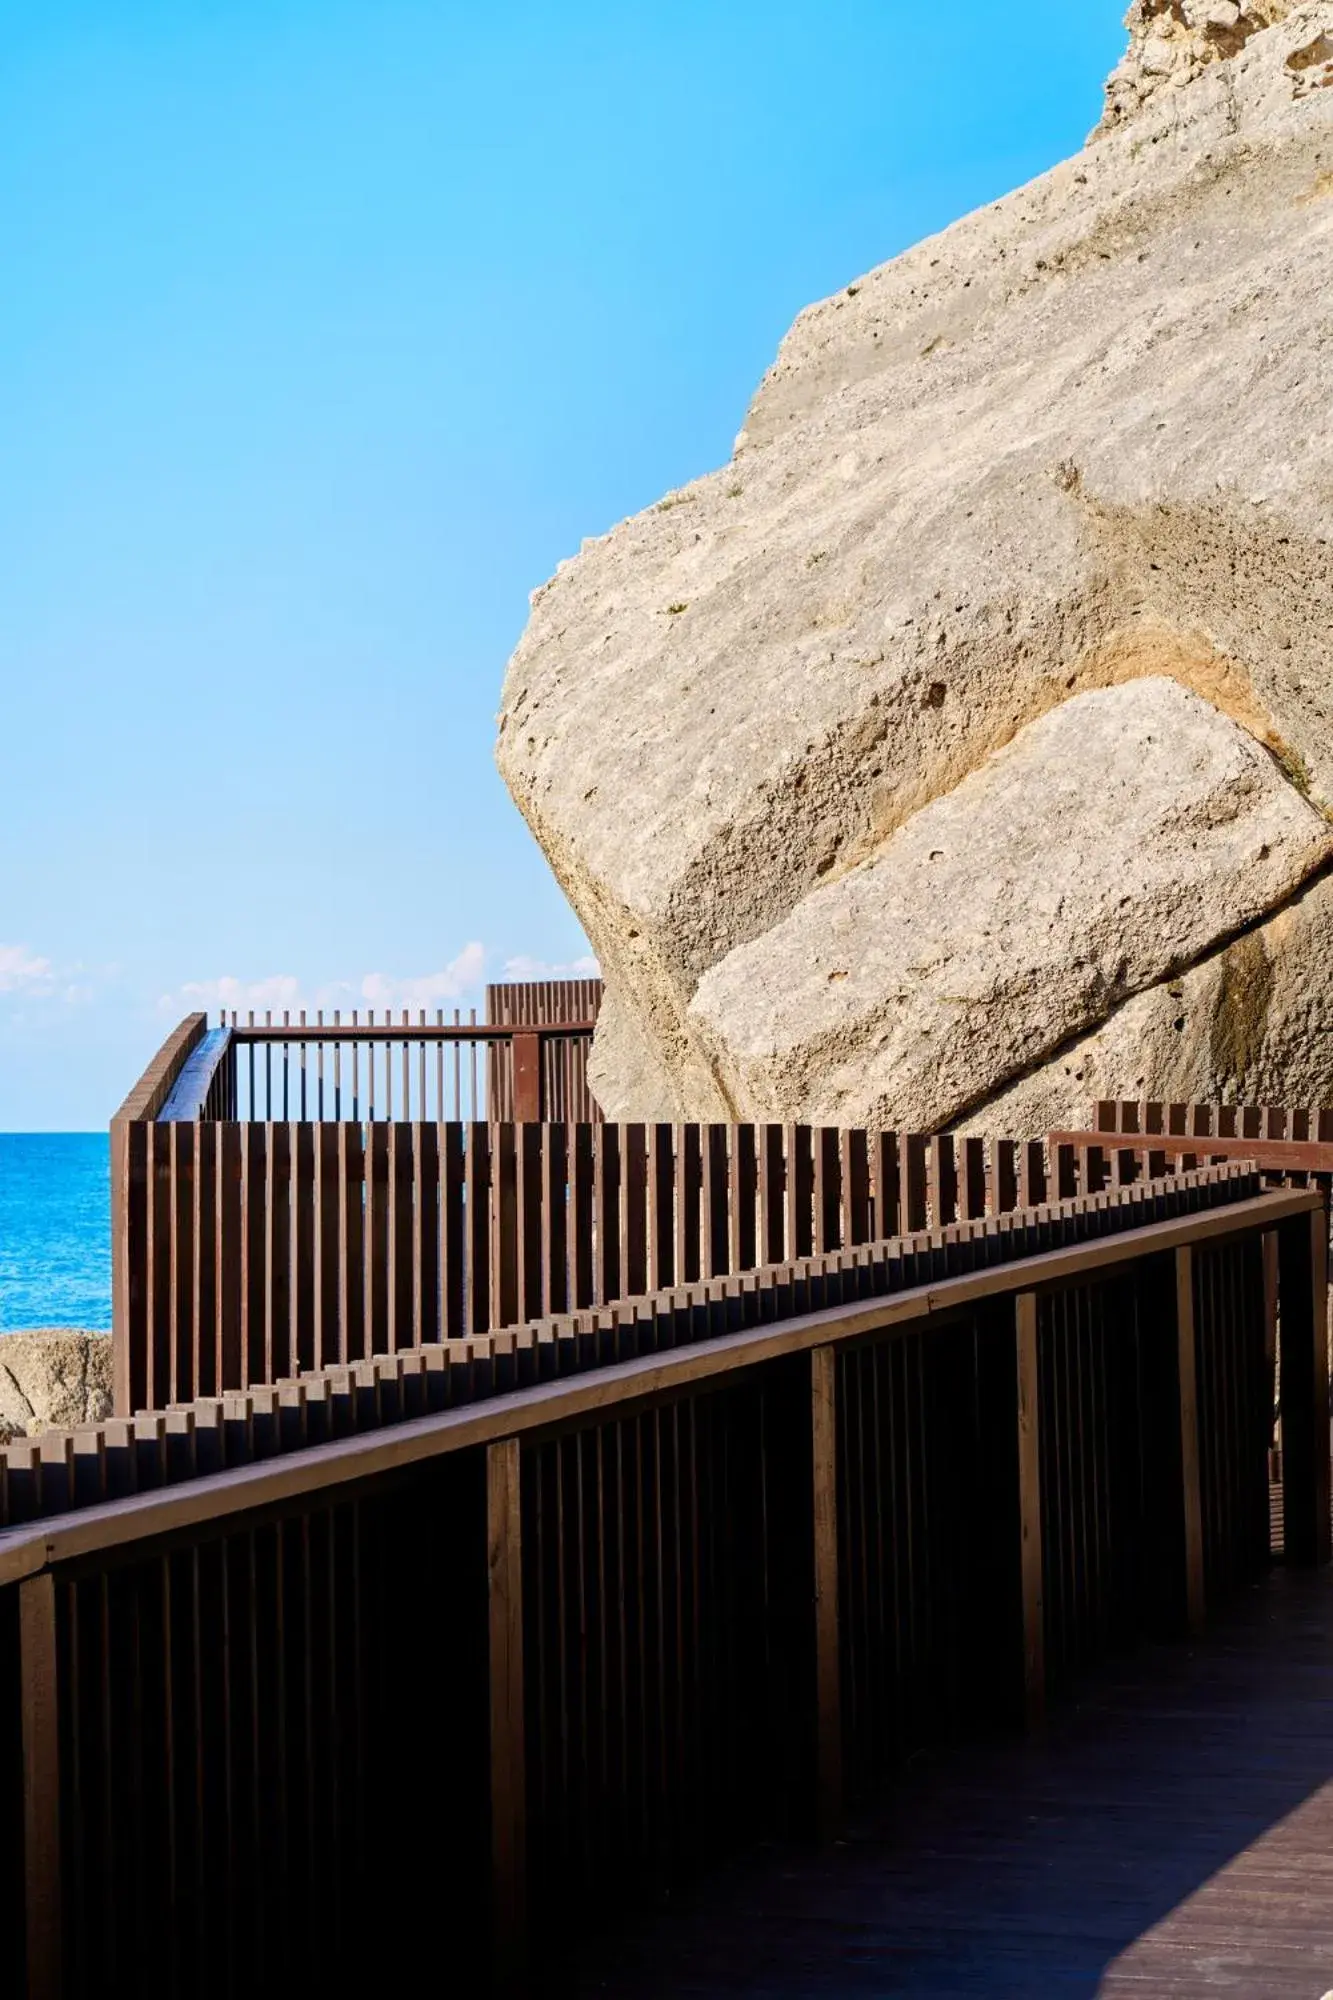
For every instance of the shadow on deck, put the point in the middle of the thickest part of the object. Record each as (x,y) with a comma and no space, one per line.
(1168,1833)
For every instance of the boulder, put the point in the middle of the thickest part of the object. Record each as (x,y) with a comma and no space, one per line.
(1077,446)
(52,1378)
(983,936)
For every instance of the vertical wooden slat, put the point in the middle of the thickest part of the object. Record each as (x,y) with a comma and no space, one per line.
(126,1197)
(325,1204)
(824,1502)
(504,1225)
(39,1666)
(606,1212)
(581,1217)
(530,1231)
(689,1180)
(772,1200)
(527,1073)
(254,1208)
(826,1195)
(184,1333)
(974,1178)
(352,1223)
(229,1259)
(1029,1508)
(555,1219)
(301,1196)
(634,1211)
(943,1181)
(915,1182)
(508,1771)
(855,1174)
(476,1256)
(376,1245)
(1303,1311)
(453,1255)
(743,1223)
(716,1201)
(888,1186)
(206,1304)
(402,1331)
(661,1208)
(800,1203)
(1191,1499)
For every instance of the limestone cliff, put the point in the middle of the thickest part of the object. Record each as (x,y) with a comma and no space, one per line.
(930,758)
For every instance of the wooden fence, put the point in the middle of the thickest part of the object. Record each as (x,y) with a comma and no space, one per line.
(1294,1146)
(248,1250)
(295,1077)
(503,1658)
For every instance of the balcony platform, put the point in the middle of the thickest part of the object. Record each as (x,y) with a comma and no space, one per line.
(1168,1834)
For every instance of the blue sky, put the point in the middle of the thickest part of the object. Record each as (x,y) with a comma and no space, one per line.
(327,330)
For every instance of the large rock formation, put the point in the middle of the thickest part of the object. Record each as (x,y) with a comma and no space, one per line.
(963,749)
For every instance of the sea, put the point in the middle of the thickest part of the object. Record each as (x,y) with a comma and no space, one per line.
(55,1230)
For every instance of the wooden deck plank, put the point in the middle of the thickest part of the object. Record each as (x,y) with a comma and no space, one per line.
(1170,1833)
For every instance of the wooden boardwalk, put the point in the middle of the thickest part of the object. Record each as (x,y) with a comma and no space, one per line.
(1169,1833)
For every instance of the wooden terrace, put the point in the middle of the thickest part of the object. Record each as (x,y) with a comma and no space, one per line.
(1169,1832)
(584,1558)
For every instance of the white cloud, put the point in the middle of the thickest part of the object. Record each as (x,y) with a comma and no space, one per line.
(23,971)
(211,996)
(540,968)
(26,976)
(462,975)
(283,991)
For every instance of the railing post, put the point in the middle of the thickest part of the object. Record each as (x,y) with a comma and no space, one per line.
(1303,1309)
(824,1504)
(40,1713)
(1029,1507)
(121,1269)
(1191,1499)
(1173,1525)
(527,1059)
(508,1777)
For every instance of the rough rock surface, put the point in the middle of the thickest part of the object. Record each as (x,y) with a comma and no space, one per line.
(1257,1012)
(1079,441)
(1173,41)
(982,937)
(51,1378)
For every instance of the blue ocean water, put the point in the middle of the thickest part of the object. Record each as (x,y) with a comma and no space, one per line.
(55,1230)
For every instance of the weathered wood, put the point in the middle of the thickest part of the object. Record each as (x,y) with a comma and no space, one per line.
(1032,1601)
(824,1504)
(39,1668)
(1303,1310)
(649,1376)
(1192,1582)
(527,1058)
(508,1765)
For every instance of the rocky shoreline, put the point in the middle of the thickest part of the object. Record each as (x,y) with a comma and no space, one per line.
(52,1377)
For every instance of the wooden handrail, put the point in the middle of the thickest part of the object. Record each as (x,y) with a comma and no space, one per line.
(190,1092)
(1303,1156)
(768,1522)
(409,1031)
(519,1412)
(155,1085)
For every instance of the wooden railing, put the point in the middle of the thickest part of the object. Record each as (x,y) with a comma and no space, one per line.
(251,1249)
(215,1094)
(512,1635)
(1294,1146)
(360,1068)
